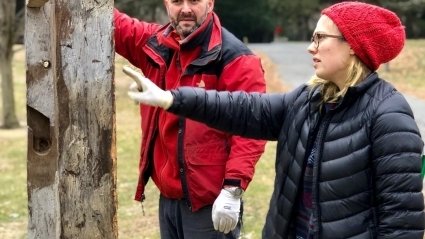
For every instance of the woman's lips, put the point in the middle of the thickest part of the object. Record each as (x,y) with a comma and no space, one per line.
(315,62)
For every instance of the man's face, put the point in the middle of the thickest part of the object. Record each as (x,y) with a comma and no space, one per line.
(187,15)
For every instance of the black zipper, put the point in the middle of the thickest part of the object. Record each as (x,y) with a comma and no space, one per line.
(316,171)
(181,161)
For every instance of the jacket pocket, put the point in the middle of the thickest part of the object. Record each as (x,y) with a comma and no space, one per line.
(205,172)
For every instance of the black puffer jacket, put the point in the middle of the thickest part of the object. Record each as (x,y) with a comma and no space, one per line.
(367,180)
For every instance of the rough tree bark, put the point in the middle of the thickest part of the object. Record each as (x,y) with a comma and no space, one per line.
(71,120)
(7,37)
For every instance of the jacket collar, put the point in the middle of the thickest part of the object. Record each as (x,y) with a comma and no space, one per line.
(360,89)
(352,94)
(208,34)
(364,85)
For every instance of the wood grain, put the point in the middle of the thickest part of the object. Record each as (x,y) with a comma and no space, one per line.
(71,120)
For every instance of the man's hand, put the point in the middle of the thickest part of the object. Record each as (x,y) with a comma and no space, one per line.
(225,212)
(146,92)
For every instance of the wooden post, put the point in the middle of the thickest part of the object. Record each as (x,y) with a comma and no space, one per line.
(71,119)
(35,3)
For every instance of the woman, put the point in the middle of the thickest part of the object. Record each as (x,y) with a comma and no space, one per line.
(348,154)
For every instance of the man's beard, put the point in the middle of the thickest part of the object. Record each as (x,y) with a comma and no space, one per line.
(187,32)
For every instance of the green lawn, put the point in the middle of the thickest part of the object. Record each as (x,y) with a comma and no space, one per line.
(406,72)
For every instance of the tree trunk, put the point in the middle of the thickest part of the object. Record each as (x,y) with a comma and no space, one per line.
(71,120)
(7,26)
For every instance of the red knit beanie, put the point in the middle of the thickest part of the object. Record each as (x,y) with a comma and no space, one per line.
(375,34)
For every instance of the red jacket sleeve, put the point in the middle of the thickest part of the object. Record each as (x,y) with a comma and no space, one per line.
(130,36)
(243,73)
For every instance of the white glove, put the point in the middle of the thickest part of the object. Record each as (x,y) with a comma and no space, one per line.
(146,92)
(225,212)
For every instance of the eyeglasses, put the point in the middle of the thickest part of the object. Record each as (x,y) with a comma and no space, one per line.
(317,37)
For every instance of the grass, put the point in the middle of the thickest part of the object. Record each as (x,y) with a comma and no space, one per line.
(406,72)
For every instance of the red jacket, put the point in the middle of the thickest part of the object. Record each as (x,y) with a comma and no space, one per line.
(187,159)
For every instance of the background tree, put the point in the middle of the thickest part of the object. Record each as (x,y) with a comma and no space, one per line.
(297,18)
(257,20)
(253,20)
(148,10)
(11,28)
(247,18)
(412,13)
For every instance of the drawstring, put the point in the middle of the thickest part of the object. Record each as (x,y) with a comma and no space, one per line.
(143,208)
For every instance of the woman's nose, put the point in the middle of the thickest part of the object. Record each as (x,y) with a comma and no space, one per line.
(312,48)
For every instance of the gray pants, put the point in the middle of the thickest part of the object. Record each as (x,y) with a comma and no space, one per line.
(176,221)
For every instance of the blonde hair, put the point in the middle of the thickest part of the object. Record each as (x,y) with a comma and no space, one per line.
(356,72)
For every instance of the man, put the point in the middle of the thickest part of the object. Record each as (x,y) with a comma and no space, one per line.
(200,172)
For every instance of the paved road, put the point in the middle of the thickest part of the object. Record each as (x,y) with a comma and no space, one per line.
(295,67)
